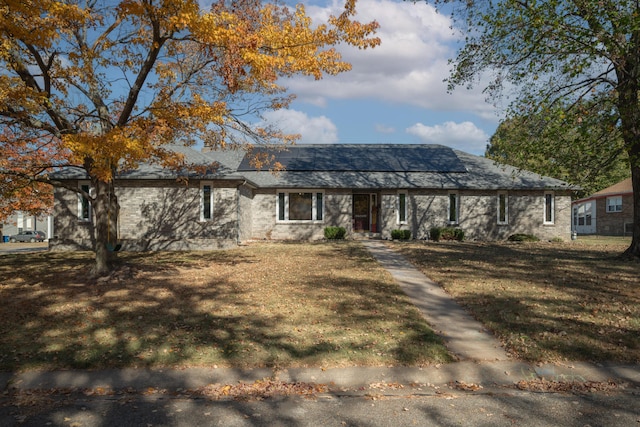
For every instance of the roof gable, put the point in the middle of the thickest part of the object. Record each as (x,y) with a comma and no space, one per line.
(622,187)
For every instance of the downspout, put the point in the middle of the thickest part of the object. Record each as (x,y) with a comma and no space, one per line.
(238,211)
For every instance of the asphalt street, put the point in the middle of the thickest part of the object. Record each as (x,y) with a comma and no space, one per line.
(492,407)
(16,248)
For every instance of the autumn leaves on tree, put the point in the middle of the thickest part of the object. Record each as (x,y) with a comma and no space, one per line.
(103,86)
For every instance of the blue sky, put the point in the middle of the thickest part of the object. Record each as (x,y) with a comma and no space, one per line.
(395,93)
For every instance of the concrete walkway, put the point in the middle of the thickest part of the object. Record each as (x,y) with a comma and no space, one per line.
(463,335)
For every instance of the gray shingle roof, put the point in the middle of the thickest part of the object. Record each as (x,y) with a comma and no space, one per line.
(359,166)
(452,169)
(220,165)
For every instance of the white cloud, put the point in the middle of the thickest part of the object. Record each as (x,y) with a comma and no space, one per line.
(313,130)
(464,136)
(408,68)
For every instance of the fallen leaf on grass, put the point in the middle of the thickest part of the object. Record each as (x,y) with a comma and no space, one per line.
(547,386)
(461,385)
(385,385)
(260,389)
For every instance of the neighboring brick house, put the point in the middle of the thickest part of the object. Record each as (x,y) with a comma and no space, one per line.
(608,212)
(370,189)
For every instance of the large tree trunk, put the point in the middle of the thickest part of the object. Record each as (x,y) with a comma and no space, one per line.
(628,73)
(634,249)
(106,215)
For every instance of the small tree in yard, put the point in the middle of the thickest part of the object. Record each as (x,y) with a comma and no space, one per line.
(558,53)
(102,86)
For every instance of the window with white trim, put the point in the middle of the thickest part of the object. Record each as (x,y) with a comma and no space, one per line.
(454,208)
(549,208)
(503,208)
(582,214)
(300,206)
(614,204)
(402,210)
(206,201)
(84,204)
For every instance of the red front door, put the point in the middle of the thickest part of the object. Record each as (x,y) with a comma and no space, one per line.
(361,212)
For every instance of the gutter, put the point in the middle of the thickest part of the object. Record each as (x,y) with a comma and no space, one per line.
(242,184)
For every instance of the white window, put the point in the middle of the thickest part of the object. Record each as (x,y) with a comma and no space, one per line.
(300,206)
(614,204)
(582,214)
(84,204)
(401,217)
(454,208)
(20,222)
(549,208)
(503,208)
(206,201)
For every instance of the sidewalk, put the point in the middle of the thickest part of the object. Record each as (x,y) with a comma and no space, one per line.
(487,374)
(464,336)
(481,358)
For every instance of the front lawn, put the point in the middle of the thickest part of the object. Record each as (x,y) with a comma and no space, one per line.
(546,301)
(276,305)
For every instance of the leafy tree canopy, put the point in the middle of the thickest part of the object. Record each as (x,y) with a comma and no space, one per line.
(555,54)
(577,145)
(102,85)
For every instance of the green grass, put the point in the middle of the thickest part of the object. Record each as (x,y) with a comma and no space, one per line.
(275,305)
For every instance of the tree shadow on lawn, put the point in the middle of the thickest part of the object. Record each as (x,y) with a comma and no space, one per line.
(546,301)
(197,309)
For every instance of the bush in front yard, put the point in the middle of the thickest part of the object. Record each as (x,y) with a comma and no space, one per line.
(446,233)
(401,234)
(523,238)
(334,233)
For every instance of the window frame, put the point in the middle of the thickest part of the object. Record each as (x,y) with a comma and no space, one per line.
(583,212)
(551,210)
(617,207)
(202,195)
(402,213)
(456,208)
(86,187)
(503,195)
(317,206)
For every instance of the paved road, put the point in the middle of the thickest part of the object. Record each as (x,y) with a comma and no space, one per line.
(15,248)
(498,407)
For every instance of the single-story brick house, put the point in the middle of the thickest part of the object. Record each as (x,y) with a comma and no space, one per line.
(369,189)
(608,212)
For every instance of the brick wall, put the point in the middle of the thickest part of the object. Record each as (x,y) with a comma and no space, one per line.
(337,212)
(478,215)
(155,215)
(166,215)
(612,223)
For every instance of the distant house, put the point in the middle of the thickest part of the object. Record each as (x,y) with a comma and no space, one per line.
(608,212)
(21,221)
(368,189)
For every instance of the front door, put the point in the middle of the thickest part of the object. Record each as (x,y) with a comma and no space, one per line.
(361,212)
